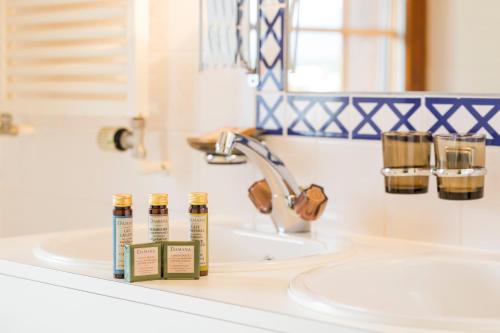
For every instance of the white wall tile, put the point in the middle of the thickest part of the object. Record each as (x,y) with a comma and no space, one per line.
(350,174)
(423,217)
(300,155)
(227,186)
(481,218)
(178,97)
(180,24)
(225,100)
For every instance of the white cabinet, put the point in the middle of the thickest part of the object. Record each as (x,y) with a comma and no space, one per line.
(29,306)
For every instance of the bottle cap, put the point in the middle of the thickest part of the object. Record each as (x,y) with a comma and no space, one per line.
(198,198)
(158,199)
(122,200)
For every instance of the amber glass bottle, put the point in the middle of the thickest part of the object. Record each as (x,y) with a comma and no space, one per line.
(158,228)
(198,218)
(122,231)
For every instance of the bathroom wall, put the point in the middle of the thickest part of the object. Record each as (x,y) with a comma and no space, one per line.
(457,31)
(58,179)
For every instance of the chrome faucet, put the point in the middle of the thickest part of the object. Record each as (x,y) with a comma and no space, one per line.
(292,209)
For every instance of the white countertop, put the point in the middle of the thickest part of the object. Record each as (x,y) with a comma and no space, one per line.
(258,299)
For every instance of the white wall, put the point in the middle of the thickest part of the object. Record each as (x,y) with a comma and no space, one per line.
(58,179)
(463,46)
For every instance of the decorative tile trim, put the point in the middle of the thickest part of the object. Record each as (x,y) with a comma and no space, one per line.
(366,117)
(400,108)
(306,110)
(269,119)
(271,45)
(484,112)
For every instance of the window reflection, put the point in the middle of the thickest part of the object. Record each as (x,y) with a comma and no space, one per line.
(354,45)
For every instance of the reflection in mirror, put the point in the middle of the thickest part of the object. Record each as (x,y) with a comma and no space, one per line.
(229,34)
(219,43)
(247,34)
(338,45)
(392,46)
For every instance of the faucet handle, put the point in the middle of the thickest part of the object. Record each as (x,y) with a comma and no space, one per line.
(261,196)
(311,203)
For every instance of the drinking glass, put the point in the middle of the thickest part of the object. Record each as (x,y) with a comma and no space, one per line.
(406,161)
(460,165)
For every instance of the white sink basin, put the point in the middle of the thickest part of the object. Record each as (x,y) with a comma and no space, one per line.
(231,249)
(423,292)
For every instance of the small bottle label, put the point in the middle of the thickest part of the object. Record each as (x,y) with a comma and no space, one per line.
(123,235)
(158,228)
(199,231)
(180,259)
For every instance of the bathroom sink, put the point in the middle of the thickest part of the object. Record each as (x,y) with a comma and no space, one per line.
(231,249)
(423,292)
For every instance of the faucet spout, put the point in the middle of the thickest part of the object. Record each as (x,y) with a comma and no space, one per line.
(224,145)
(272,166)
(284,189)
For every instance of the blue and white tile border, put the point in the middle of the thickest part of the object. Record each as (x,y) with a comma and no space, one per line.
(272,45)
(356,116)
(365,117)
(319,116)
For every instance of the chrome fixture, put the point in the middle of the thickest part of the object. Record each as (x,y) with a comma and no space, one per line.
(7,126)
(206,144)
(213,158)
(291,208)
(449,173)
(122,139)
(135,140)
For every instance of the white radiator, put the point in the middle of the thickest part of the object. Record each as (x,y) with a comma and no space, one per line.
(74,56)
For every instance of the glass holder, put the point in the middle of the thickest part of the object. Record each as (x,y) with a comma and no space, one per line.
(410,172)
(471,172)
(459,167)
(406,172)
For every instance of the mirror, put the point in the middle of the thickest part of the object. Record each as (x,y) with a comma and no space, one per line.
(229,34)
(393,46)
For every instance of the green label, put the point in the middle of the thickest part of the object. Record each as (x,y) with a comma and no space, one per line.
(199,231)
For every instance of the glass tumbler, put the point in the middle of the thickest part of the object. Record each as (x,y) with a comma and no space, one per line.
(460,165)
(406,161)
